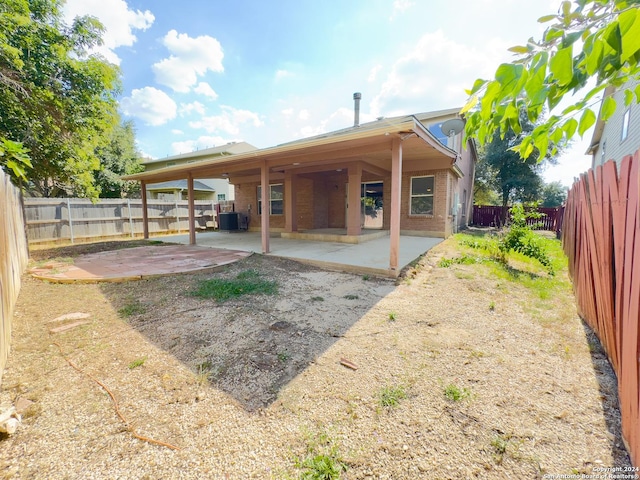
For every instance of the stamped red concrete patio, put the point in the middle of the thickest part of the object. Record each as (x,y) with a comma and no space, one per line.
(136,263)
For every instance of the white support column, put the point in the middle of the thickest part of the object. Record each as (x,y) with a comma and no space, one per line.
(264,182)
(145,214)
(192,214)
(396,200)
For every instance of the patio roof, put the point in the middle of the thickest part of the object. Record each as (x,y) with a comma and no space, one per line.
(180,185)
(369,143)
(386,147)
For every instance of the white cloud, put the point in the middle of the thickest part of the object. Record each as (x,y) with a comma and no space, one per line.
(411,85)
(338,119)
(228,121)
(119,22)
(149,104)
(304,114)
(400,6)
(189,108)
(176,131)
(205,89)
(189,59)
(373,73)
(200,143)
(282,74)
(287,112)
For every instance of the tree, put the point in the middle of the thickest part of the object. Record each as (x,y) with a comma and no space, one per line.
(514,179)
(553,194)
(484,191)
(589,45)
(118,157)
(58,101)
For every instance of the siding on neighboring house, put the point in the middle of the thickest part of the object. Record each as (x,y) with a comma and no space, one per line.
(611,138)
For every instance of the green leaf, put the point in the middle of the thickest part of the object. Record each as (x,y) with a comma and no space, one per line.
(508,75)
(571,38)
(630,33)
(628,97)
(541,141)
(637,92)
(552,33)
(561,66)
(593,58)
(472,102)
(607,109)
(519,49)
(477,85)
(612,35)
(547,18)
(570,127)
(557,135)
(587,119)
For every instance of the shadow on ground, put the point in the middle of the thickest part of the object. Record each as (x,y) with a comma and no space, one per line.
(249,347)
(608,386)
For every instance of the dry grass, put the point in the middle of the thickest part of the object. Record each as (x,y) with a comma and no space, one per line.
(253,387)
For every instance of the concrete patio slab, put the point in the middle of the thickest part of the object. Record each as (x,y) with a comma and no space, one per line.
(371,257)
(136,263)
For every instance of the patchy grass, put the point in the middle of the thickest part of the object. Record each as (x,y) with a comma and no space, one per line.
(515,270)
(248,282)
(322,461)
(132,308)
(138,362)
(391,395)
(455,393)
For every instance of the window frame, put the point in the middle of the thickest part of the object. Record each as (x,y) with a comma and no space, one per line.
(271,199)
(626,120)
(422,195)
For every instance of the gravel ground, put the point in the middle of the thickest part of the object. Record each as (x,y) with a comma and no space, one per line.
(488,384)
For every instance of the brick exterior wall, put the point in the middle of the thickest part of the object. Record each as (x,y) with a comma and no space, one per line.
(432,224)
(321,203)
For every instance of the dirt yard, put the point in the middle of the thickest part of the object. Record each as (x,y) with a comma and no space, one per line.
(450,374)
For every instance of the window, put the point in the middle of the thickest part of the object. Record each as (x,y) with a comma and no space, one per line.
(222,197)
(625,124)
(276,199)
(171,164)
(436,129)
(422,195)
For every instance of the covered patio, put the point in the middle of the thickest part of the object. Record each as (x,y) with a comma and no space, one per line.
(317,184)
(367,258)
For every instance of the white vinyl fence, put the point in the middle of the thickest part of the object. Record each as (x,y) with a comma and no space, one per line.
(78,219)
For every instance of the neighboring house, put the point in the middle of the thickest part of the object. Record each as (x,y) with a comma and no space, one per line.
(620,134)
(177,190)
(217,189)
(402,173)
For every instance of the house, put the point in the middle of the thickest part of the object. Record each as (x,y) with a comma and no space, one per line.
(399,176)
(216,189)
(620,134)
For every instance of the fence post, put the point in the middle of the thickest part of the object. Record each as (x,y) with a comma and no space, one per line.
(178,214)
(70,221)
(130,217)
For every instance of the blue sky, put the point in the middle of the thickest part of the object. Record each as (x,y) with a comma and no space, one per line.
(201,73)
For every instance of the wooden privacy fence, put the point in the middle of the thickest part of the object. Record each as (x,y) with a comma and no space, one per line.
(489,216)
(602,240)
(76,219)
(14,255)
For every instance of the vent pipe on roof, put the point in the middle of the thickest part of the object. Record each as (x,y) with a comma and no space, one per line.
(356,114)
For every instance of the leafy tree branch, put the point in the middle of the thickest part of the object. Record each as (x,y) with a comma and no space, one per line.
(588,46)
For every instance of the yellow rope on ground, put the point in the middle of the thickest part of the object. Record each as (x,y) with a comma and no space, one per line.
(130,429)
